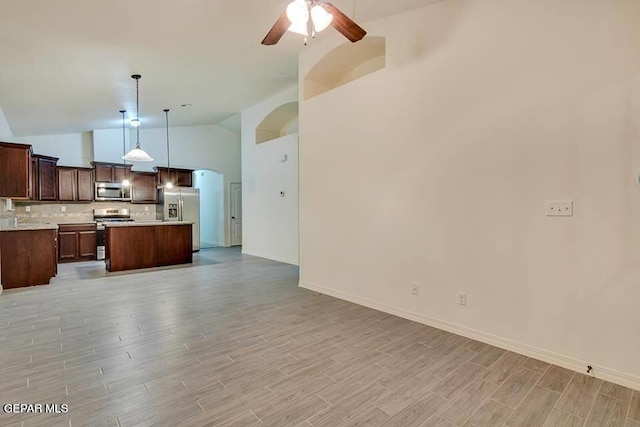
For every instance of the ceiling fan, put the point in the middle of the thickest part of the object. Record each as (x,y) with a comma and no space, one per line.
(301,15)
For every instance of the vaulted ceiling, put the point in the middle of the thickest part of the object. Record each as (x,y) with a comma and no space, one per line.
(65,65)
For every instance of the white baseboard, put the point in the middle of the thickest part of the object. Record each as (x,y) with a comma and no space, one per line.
(567,362)
(271,257)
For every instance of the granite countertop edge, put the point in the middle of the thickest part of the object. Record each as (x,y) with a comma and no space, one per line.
(147,224)
(29,227)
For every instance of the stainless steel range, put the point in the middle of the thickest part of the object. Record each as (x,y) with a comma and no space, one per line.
(102,216)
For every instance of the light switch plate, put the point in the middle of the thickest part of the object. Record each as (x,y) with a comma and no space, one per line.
(559,208)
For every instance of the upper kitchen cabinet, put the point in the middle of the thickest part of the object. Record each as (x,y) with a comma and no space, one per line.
(111,172)
(178,177)
(15,164)
(75,184)
(144,187)
(44,178)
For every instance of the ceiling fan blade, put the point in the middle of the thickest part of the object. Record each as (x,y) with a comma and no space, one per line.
(277,31)
(345,25)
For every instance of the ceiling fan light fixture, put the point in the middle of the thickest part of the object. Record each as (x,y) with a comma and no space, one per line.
(298,14)
(320,17)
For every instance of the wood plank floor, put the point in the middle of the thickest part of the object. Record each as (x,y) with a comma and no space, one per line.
(232,341)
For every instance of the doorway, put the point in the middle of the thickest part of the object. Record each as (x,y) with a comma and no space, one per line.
(211,188)
(236,214)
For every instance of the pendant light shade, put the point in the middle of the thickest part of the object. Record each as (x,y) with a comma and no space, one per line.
(125,182)
(168,184)
(137,154)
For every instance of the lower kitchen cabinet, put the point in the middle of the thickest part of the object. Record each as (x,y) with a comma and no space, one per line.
(27,257)
(76,242)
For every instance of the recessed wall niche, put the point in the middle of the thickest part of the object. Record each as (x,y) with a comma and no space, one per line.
(346,63)
(280,122)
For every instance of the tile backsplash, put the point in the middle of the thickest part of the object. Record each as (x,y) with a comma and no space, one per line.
(6,217)
(74,213)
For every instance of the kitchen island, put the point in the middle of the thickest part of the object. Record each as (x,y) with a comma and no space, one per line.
(131,245)
(28,255)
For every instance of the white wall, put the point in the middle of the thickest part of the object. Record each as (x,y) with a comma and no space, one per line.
(74,149)
(269,221)
(436,170)
(211,207)
(108,145)
(5,130)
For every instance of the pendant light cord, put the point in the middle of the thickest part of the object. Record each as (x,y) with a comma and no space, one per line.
(124,147)
(138,112)
(166,114)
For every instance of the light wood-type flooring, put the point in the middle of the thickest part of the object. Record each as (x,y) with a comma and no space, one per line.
(232,341)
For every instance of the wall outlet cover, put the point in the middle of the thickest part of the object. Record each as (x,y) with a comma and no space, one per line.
(559,208)
(462,298)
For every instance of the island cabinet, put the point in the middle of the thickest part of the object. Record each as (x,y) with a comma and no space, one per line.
(75,184)
(111,172)
(44,173)
(77,242)
(178,177)
(130,247)
(27,257)
(144,187)
(15,166)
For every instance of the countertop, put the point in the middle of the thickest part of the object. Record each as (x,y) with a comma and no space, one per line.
(147,223)
(27,227)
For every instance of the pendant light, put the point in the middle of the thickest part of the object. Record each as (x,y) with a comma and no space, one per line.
(125,182)
(137,154)
(169,184)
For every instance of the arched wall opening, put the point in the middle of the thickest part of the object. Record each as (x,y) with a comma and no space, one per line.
(283,120)
(346,63)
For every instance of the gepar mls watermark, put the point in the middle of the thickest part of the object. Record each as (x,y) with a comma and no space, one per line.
(35,408)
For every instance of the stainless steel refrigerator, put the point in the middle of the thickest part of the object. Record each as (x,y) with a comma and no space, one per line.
(181,204)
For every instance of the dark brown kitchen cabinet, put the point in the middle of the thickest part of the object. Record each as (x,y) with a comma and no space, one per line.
(75,184)
(76,242)
(111,172)
(144,187)
(44,178)
(15,166)
(27,257)
(178,177)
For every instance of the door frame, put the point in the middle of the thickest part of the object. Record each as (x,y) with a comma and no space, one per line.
(231,188)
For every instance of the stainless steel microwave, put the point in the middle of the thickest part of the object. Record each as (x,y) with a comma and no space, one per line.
(106,191)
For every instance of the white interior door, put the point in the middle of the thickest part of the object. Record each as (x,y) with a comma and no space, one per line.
(236,214)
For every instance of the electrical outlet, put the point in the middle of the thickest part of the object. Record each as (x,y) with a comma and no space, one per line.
(559,208)
(146,208)
(63,208)
(27,208)
(414,289)
(462,298)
